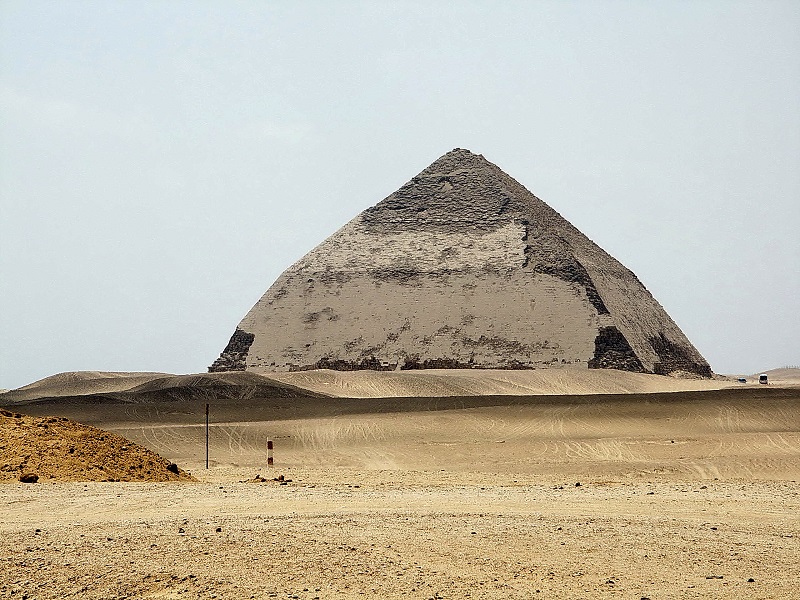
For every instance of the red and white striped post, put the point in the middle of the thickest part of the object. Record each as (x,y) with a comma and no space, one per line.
(269,453)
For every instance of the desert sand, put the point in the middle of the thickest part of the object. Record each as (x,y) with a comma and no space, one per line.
(425,383)
(683,494)
(482,382)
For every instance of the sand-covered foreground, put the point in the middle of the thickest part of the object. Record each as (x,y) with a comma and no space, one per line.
(400,534)
(682,495)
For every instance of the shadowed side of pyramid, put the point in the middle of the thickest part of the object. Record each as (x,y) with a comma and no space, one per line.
(462,267)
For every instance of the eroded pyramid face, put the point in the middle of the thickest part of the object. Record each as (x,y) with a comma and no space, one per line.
(462,267)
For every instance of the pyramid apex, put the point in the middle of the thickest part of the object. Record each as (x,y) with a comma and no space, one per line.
(464,152)
(458,158)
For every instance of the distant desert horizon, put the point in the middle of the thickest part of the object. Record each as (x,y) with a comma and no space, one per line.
(420,382)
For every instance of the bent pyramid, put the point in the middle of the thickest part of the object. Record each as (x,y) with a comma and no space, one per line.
(462,267)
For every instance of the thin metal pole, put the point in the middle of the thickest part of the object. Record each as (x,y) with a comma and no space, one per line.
(206,436)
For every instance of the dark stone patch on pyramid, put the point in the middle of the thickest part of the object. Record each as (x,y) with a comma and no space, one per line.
(612,351)
(462,267)
(234,355)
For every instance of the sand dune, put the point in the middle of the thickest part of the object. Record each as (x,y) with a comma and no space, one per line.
(74,383)
(599,423)
(373,384)
(782,376)
(749,432)
(147,387)
(469,382)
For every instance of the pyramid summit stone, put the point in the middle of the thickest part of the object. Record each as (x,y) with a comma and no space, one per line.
(462,267)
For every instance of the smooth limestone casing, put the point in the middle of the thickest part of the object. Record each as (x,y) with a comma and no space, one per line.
(460,267)
(451,311)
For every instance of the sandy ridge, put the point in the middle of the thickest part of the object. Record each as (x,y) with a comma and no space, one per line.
(377,384)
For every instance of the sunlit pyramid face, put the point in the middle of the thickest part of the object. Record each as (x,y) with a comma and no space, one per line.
(462,267)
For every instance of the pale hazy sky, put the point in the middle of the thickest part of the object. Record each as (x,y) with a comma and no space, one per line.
(161,163)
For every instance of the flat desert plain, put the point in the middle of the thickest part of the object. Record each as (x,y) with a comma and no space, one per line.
(680,494)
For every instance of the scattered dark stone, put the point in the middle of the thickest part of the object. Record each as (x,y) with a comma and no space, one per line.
(714,577)
(370,363)
(172,468)
(751,580)
(235,353)
(612,351)
(28,477)
(181,530)
(677,357)
(219,529)
(578,484)
(713,529)
(650,493)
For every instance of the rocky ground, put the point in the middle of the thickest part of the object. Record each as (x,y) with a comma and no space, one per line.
(41,449)
(399,534)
